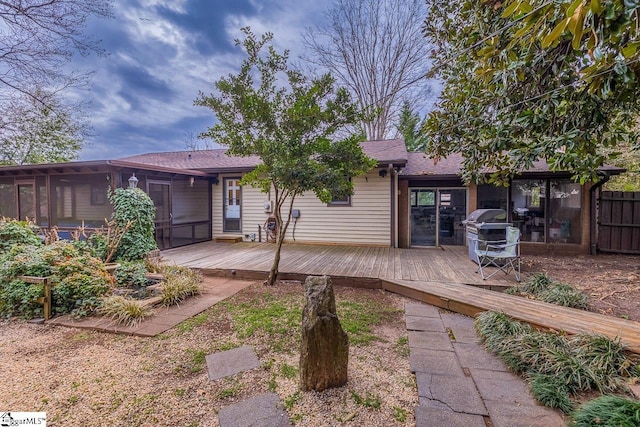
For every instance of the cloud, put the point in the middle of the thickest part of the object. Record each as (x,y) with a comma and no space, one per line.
(162,54)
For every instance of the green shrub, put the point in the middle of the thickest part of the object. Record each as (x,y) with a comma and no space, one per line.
(551,391)
(133,208)
(131,273)
(494,328)
(565,295)
(542,288)
(540,282)
(78,280)
(178,285)
(18,298)
(14,232)
(607,411)
(124,311)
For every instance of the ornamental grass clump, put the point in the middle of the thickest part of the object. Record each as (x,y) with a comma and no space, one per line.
(179,283)
(556,366)
(125,311)
(542,288)
(607,411)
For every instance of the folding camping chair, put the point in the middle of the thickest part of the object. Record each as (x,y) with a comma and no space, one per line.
(502,254)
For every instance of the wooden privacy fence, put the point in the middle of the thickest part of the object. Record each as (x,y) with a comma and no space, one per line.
(619,222)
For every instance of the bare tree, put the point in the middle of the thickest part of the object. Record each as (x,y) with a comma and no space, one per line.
(38,38)
(377,50)
(32,131)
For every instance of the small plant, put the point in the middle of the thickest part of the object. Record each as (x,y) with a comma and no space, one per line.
(565,295)
(198,359)
(272,385)
(179,285)
(400,414)
(14,232)
(494,328)
(538,283)
(551,391)
(371,401)
(541,287)
(402,346)
(292,400)
(131,273)
(288,371)
(124,311)
(607,411)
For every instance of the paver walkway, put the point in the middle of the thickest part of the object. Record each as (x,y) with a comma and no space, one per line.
(215,289)
(459,382)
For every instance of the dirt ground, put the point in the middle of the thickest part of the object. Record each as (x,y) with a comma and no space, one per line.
(612,282)
(87,378)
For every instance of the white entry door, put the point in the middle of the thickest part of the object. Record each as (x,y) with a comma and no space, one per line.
(232,204)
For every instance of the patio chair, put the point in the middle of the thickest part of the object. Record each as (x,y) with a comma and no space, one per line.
(504,255)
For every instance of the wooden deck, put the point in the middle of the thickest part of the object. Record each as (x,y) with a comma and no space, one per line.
(366,265)
(435,276)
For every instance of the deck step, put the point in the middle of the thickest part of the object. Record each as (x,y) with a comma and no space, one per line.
(229,239)
(470,300)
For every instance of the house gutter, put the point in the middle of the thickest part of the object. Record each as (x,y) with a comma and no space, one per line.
(593,244)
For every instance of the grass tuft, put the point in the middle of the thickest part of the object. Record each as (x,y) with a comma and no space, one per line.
(179,284)
(542,288)
(557,366)
(551,391)
(124,311)
(607,411)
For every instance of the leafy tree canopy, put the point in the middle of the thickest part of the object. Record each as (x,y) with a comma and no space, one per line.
(528,79)
(295,125)
(409,125)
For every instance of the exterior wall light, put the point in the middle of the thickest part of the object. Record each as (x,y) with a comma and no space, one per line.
(133,181)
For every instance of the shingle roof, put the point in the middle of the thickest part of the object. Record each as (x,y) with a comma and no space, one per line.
(419,164)
(388,151)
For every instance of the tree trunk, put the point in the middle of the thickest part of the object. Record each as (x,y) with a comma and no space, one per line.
(273,273)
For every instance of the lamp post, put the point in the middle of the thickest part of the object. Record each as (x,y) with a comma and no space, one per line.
(133,181)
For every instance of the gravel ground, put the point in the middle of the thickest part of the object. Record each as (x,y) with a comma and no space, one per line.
(84,378)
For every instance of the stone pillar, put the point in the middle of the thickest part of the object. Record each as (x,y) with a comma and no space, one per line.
(324,352)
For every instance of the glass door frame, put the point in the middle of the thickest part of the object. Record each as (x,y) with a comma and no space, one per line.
(226,207)
(24,183)
(437,195)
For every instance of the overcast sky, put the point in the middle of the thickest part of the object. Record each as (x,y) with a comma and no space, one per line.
(161,53)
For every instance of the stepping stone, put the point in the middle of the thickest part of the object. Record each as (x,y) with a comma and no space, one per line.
(472,355)
(461,327)
(430,417)
(429,340)
(420,323)
(231,362)
(435,362)
(263,410)
(424,310)
(459,394)
(509,415)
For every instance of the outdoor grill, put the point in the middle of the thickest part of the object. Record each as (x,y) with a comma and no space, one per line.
(485,224)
